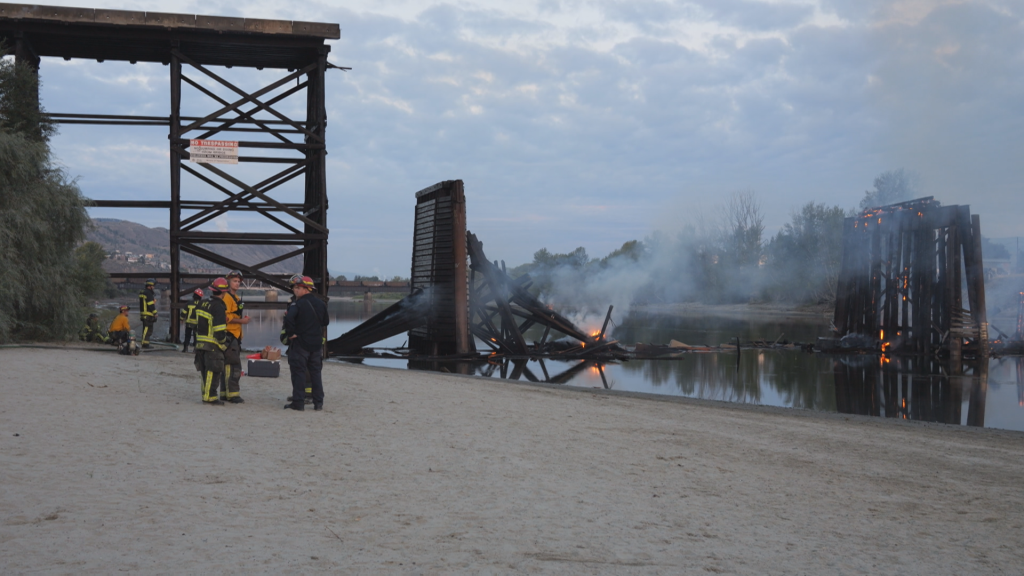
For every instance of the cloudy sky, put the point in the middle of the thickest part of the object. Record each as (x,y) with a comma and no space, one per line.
(590,123)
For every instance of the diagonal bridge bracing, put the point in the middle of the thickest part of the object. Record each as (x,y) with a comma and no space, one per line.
(262,120)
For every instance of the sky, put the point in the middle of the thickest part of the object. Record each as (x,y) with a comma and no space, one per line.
(593,123)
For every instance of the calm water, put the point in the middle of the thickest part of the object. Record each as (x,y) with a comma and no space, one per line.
(990,395)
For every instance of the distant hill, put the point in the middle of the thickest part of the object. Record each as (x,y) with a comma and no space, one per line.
(130,237)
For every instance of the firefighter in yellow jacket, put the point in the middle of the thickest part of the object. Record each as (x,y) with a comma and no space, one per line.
(147,311)
(211,341)
(118,332)
(231,391)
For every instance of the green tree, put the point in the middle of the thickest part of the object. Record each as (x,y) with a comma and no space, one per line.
(44,282)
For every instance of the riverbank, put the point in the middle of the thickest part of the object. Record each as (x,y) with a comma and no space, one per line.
(114,465)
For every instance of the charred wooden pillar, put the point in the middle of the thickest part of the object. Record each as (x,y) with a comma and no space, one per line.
(902,277)
(315,259)
(439,269)
(175,216)
(976,279)
(979,394)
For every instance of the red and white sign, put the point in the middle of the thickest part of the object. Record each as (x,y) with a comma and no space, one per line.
(214,151)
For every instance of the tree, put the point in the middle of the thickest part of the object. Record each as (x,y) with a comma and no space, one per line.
(44,283)
(804,257)
(743,227)
(891,187)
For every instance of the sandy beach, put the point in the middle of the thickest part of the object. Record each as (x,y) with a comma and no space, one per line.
(110,464)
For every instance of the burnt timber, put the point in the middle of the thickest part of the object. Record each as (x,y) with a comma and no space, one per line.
(904,267)
(496,301)
(451,303)
(190,45)
(439,270)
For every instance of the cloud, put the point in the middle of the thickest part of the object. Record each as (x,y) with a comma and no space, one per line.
(649,109)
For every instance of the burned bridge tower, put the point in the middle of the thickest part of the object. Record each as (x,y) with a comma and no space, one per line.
(904,267)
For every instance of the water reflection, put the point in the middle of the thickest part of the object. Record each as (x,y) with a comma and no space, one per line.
(989,395)
(912,388)
(265,325)
(979,394)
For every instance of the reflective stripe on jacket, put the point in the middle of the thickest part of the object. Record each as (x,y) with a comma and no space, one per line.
(211,323)
(147,303)
(188,313)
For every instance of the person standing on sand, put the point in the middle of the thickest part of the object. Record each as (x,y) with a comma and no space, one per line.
(188,315)
(211,338)
(147,311)
(304,324)
(231,390)
(295,279)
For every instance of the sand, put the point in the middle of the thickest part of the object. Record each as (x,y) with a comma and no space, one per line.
(110,464)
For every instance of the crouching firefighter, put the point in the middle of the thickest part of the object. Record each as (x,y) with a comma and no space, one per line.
(92,332)
(188,315)
(119,329)
(211,341)
(147,311)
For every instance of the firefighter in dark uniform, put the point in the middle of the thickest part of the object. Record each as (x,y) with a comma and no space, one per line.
(231,391)
(92,332)
(188,315)
(147,311)
(295,279)
(211,341)
(304,324)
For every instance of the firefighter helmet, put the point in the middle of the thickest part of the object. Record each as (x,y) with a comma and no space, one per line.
(122,308)
(198,292)
(295,279)
(307,282)
(234,274)
(150,282)
(219,285)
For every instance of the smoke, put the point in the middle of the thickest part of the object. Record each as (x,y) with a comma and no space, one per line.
(721,259)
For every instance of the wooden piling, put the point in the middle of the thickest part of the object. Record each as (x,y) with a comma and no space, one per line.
(903,271)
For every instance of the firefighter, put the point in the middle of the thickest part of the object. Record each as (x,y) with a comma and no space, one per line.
(147,311)
(117,334)
(296,279)
(211,341)
(304,324)
(234,306)
(91,332)
(188,315)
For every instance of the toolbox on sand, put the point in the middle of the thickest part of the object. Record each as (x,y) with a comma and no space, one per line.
(264,368)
